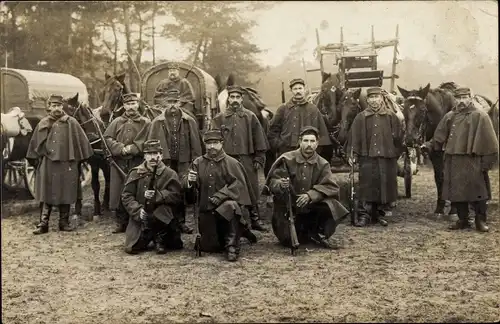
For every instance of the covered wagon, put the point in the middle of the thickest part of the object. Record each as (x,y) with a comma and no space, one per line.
(30,90)
(204,87)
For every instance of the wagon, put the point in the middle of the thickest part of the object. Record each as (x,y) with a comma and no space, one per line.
(30,91)
(203,84)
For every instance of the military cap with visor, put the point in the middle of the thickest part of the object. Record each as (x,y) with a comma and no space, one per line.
(152,146)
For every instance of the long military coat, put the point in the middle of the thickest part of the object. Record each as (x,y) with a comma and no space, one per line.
(376,139)
(311,176)
(167,198)
(471,149)
(289,119)
(120,133)
(60,144)
(182,136)
(245,140)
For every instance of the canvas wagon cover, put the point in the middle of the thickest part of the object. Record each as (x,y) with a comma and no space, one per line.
(204,85)
(40,85)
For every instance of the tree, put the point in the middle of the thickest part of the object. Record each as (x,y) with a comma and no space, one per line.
(217,35)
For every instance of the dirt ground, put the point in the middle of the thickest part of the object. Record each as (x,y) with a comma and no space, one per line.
(415,270)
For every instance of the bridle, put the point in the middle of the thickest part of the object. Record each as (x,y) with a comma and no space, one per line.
(422,128)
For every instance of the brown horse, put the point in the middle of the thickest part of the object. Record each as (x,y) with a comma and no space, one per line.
(113,90)
(89,122)
(423,110)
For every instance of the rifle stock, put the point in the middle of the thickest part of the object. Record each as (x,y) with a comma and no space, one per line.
(149,205)
(197,240)
(291,217)
(353,206)
(282,92)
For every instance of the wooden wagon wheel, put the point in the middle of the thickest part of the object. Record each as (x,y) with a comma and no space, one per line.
(30,175)
(13,175)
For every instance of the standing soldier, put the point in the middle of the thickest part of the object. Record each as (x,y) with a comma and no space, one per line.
(119,137)
(244,140)
(291,117)
(161,225)
(467,136)
(56,148)
(306,176)
(376,139)
(222,195)
(179,135)
(183,85)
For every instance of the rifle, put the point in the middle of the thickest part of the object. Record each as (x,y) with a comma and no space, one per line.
(149,205)
(197,240)
(107,152)
(291,218)
(283,92)
(353,206)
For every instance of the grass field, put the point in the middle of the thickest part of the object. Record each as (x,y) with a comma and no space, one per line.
(414,270)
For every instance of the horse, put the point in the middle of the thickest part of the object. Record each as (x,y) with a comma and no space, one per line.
(112,106)
(12,124)
(251,101)
(423,110)
(92,125)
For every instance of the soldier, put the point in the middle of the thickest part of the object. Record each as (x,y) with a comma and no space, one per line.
(467,136)
(309,179)
(184,87)
(376,139)
(244,140)
(120,136)
(161,226)
(222,195)
(179,136)
(291,117)
(56,148)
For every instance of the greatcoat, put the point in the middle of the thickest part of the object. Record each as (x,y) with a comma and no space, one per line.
(186,93)
(60,144)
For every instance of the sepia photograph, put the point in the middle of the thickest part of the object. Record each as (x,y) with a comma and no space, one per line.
(249,162)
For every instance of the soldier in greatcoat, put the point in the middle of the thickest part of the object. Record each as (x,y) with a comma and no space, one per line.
(174,81)
(244,140)
(376,139)
(308,178)
(217,182)
(291,117)
(119,137)
(161,226)
(56,149)
(467,136)
(179,136)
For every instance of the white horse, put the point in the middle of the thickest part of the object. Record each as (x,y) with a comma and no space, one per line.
(13,124)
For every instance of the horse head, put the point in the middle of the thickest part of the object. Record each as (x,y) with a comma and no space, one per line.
(15,123)
(415,111)
(114,88)
(85,117)
(348,108)
(327,99)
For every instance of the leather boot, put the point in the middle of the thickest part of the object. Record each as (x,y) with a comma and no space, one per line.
(363,220)
(159,244)
(380,214)
(43,226)
(463,217)
(64,218)
(182,221)
(247,233)
(322,241)
(255,220)
(480,208)
(233,239)
(119,227)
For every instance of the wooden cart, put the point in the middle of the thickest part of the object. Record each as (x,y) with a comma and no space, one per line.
(30,91)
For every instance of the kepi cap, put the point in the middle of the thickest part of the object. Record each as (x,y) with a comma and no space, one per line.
(152,146)
(463,91)
(55,99)
(372,91)
(130,97)
(213,135)
(306,130)
(297,80)
(234,88)
(172,65)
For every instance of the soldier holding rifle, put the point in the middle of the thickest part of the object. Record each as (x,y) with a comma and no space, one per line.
(223,196)
(151,195)
(308,177)
(119,137)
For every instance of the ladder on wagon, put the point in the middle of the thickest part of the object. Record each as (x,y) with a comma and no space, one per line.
(357,63)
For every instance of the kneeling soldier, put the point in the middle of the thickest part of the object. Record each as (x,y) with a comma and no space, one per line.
(222,192)
(152,199)
(307,177)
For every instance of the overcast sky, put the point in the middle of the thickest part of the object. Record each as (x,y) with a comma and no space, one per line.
(426,28)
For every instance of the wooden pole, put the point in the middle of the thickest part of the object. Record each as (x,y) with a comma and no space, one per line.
(305,75)
(341,63)
(319,53)
(153,33)
(395,59)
